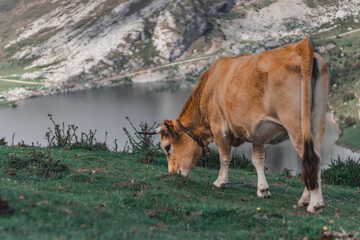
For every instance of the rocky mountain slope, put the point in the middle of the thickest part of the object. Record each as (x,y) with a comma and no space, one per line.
(69,45)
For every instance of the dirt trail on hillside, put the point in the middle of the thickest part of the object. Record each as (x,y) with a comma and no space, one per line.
(155,68)
(343,34)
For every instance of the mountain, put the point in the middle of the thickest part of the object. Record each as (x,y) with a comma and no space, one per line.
(64,45)
(76,40)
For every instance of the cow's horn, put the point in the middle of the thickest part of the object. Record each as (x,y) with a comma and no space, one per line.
(157,131)
(147,133)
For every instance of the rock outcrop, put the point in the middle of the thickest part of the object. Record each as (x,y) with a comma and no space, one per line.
(178,26)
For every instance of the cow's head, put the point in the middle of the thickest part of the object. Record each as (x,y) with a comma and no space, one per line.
(181,151)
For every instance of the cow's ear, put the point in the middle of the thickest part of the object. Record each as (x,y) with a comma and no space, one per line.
(168,128)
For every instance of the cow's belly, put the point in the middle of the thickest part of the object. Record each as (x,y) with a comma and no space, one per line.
(268,132)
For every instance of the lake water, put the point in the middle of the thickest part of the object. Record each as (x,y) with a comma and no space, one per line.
(105,109)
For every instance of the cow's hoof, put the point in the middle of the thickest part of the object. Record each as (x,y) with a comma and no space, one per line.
(303,203)
(220,184)
(264,193)
(317,208)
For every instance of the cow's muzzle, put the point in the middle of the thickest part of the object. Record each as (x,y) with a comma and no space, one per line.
(183,172)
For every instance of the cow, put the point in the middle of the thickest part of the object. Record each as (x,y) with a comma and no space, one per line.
(262,98)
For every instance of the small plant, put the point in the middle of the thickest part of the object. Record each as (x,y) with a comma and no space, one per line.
(66,136)
(341,117)
(38,162)
(210,161)
(192,76)
(141,143)
(115,148)
(349,121)
(287,173)
(237,161)
(343,172)
(22,144)
(3,142)
(241,162)
(348,96)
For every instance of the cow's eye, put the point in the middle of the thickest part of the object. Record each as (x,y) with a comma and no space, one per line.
(167,149)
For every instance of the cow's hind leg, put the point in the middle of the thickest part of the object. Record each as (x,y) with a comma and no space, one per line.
(305,198)
(257,159)
(318,120)
(311,198)
(316,199)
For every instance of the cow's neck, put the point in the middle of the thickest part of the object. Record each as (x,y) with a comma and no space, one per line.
(193,118)
(194,121)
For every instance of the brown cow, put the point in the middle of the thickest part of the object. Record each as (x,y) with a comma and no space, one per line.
(262,98)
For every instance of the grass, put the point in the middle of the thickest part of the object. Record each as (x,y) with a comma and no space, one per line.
(147,51)
(7,103)
(123,80)
(351,136)
(237,161)
(12,78)
(7,69)
(35,162)
(315,3)
(6,86)
(258,5)
(109,195)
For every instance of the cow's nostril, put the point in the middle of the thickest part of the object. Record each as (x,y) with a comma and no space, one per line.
(179,171)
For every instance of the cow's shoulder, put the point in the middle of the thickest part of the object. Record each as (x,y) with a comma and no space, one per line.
(226,65)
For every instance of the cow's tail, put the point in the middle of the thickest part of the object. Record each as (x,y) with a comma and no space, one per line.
(311,161)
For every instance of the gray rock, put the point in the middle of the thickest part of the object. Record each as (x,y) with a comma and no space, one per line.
(222,7)
(135,36)
(178,26)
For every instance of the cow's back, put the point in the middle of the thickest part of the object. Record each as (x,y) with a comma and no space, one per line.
(247,90)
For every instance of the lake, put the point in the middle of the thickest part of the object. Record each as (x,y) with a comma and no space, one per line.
(105,109)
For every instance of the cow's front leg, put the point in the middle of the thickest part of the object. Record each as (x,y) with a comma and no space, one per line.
(223,177)
(224,146)
(258,161)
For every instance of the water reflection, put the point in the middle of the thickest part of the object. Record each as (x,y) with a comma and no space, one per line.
(105,110)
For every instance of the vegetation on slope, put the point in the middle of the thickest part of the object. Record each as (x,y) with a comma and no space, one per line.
(107,195)
(343,172)
(343,59)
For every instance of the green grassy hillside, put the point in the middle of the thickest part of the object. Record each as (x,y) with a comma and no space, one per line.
(108,195)
(343,60)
